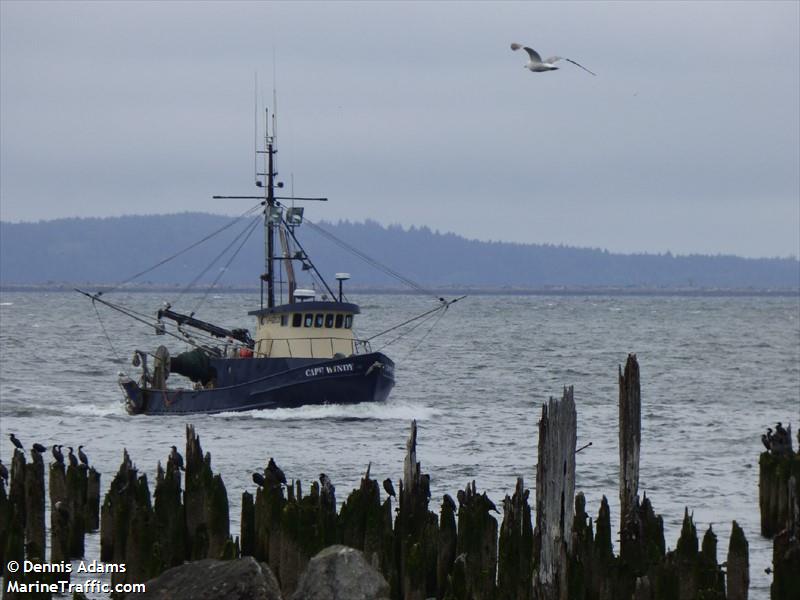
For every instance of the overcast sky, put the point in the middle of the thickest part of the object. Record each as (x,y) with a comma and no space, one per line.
(688,139)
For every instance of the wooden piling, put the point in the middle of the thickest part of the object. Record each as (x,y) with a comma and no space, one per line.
(555,491)
(206,503)
(477,541)
(247,531)
(92,506)
(786,547)
(170,515)
(34,508)
(515,554)
(59,513)
(448,538)
(416,529)
(15,533)
(738,575)
(76,502)
(630,438)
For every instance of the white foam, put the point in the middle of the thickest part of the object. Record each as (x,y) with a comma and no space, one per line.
(6,304)
(367,410)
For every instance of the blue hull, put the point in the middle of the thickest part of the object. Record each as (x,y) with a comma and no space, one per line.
(259,383)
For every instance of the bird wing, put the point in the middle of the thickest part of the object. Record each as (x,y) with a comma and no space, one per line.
(531,52)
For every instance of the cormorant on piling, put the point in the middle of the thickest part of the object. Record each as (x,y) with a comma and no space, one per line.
(82,456)
(765,439)
(324,480)
(258,479)
(447,499)
(275,470)
(38,448)
(489,504)
(387,485)
(15,441)
(779,430)
(176,457)
(73,462)
(462,496)
(57,454)
(3,471)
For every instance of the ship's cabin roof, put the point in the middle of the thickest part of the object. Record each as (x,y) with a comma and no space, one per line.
(309,306)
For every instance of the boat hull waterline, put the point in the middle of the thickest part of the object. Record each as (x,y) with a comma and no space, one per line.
(351,380)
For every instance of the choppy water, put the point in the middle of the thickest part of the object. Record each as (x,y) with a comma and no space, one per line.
(715,373)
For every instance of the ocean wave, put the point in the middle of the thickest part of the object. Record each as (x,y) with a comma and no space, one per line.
(368,411)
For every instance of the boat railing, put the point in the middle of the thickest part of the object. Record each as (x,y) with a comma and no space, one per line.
(305,347)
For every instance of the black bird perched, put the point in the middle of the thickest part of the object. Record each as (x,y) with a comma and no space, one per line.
(387,485)
(57,454)
(38,448)
(73,462)
(275,470)
(258,479)
(82,456)
(448,500)
(176,457)
(766,438)
(324,480)
(462,496)
(489,504)
(15,441)
(3,471)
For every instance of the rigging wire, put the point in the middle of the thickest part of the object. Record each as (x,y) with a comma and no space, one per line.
(108,337)
(247,230)
(368,259)
(227,264)
(180,252)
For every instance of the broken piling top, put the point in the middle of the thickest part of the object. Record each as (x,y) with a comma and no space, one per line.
(555,488)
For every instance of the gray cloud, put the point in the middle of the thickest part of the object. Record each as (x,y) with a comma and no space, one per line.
(688,140)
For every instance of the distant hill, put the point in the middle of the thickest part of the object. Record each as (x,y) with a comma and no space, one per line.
(111,250)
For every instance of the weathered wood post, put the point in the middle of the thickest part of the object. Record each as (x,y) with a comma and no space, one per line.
(5,518)
(34,508)
(76,502)
(416,529)
(247,530)
(477,542)
(630,439)
(15,534)
(776,466)
(206,502)
(92,506)
(169,514)
(363,524)
(738,575)
(447,543)
(515,561)
(59,513)
(555,492)
(786,547)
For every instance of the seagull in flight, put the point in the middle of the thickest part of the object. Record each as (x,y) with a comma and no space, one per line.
(537,65)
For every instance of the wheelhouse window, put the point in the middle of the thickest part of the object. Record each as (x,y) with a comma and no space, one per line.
(339,320)
(297,320)
(348,321)
(319,320)
(329,320)
(309,320)
(284,320)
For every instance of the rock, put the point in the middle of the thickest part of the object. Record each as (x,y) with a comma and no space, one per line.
(341,573)
(211,579)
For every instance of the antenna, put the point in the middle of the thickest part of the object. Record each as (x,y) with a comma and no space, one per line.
(255,127)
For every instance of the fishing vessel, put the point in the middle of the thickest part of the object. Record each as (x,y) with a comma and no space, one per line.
(303,350)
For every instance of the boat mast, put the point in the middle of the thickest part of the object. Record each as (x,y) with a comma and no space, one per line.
(268,215)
